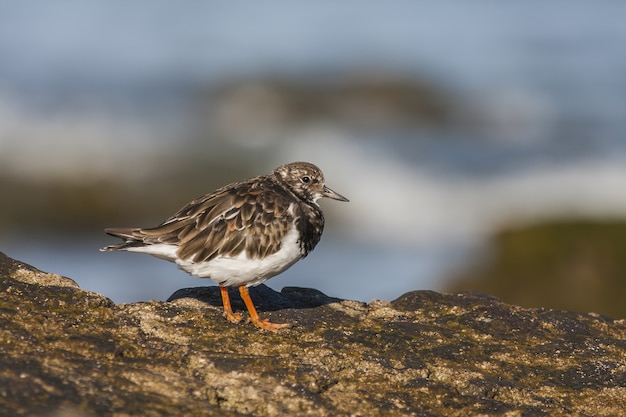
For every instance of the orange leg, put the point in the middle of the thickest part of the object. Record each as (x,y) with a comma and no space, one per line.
(254,316)
(228,310)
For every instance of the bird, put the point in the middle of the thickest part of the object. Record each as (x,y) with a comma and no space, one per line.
(242,234)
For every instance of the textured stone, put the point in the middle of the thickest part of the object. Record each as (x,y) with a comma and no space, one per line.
(576,265)
(69,352)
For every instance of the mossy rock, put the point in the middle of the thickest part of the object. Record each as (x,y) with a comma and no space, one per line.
(571,265)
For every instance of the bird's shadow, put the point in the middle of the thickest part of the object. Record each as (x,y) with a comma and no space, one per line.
(265,299)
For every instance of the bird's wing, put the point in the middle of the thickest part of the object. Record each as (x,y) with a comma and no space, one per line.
(252,217)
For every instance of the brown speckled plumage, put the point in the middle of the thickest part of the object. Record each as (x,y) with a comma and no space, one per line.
(248,219)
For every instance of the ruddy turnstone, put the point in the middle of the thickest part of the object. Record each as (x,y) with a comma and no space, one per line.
(241,234)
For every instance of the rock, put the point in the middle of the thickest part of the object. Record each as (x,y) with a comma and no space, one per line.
(576,264)
(65,351)
(254,112)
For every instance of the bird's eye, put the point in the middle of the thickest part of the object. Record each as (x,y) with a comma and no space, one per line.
(306,179)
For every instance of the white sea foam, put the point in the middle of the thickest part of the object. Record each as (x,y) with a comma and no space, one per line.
(395,200)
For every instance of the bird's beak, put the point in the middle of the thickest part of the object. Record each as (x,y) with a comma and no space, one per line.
(327,192)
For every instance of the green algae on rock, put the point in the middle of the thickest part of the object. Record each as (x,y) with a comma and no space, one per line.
(573,264)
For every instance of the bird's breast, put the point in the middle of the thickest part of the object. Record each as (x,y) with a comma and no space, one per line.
(310,226)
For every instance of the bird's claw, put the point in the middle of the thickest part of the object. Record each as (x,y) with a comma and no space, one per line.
(232,317)
(267,325)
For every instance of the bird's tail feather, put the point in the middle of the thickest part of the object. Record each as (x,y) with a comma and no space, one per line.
(131,236)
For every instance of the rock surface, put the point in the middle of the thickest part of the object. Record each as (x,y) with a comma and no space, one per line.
(530,265)
(65,351)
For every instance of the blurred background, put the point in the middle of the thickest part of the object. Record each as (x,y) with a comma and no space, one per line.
(482,145)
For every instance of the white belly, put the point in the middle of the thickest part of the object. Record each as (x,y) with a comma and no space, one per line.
(241,270)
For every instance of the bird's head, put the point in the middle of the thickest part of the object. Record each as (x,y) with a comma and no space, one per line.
(306,181)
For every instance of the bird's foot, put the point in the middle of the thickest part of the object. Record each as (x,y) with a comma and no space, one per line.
(232,317)
(267,325)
